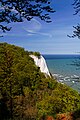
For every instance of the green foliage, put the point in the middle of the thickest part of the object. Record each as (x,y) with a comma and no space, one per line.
(37,54)
(25,92)
(60,100)
(17,70)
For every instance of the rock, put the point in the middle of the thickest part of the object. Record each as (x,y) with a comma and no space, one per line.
(40,62)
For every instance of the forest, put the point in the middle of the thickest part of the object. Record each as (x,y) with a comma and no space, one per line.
(25,92)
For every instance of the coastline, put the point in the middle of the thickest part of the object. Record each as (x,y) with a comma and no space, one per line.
(61,69)
(71,81)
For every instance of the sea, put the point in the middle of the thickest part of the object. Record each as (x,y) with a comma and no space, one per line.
(65,68)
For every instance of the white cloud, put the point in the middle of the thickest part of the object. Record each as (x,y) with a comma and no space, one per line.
(27,28)
(45,34)
(34,27)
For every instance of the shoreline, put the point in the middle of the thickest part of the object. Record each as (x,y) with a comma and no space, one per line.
(72,81)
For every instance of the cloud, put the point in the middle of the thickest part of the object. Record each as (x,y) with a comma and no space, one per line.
(27,28)
(34,27)
(31,32)
(45,34)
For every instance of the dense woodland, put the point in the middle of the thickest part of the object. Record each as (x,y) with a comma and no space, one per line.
(25,92)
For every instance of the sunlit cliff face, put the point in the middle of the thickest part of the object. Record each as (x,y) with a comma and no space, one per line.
(40,62)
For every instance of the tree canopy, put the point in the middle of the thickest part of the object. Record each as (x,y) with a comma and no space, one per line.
(19,10)
(24,90)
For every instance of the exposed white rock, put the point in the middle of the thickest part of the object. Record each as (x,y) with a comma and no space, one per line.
(40,62)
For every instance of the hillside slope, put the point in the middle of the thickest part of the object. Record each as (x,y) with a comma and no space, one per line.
(25,92)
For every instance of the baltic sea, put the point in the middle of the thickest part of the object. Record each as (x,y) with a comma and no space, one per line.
(65,68)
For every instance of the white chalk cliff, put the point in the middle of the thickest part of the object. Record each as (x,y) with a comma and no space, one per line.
(41,62)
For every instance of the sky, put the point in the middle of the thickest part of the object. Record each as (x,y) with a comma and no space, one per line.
(47,38)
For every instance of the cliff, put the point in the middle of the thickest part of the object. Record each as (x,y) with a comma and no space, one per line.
(41,62)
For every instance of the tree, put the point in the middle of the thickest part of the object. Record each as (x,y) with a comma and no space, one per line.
(76,5)
(9,86)
(24,90)
(60,100)
(18,10)
(76,32)
(17,72)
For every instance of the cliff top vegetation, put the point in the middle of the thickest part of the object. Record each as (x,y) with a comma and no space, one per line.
(25,92)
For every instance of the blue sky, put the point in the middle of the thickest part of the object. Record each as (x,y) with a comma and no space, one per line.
(47,38)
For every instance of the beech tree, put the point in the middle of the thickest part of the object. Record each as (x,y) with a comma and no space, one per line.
(18,10)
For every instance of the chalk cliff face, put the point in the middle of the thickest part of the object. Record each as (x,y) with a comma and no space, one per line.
(40,62)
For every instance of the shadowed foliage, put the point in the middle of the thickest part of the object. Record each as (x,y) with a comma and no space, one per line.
(19,10)
(76,5)
(76,32)
(76,115)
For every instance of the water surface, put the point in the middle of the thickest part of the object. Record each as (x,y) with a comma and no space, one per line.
(61,66)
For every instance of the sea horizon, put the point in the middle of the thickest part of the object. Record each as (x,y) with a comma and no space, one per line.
(60,56)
